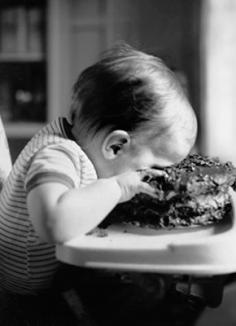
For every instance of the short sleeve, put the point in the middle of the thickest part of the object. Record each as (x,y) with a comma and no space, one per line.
(53,163)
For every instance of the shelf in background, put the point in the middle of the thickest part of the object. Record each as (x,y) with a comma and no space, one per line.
(22,57)
(22,129)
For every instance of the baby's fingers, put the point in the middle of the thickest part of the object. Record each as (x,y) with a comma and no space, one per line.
(148,174)
(157,173)
(145,188)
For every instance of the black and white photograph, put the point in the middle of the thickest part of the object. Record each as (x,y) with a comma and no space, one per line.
(117,163)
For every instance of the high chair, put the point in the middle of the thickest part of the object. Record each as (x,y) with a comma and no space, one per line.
(5,157)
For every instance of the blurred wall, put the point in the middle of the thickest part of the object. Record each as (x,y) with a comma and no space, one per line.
(218,78)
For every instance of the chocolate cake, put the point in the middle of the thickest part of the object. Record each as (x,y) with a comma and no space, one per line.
(194,192)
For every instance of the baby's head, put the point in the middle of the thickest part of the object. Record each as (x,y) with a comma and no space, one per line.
(130,111)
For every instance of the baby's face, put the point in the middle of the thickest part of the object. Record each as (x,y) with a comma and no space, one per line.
(166,149)
(158,152)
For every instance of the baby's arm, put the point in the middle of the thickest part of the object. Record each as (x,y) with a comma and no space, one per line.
(59,214)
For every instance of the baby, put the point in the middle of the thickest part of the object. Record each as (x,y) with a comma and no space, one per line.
(128,113)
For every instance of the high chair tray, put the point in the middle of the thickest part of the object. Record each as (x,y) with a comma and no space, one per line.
(207,250)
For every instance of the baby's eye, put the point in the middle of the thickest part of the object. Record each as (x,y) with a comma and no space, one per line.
(158,167)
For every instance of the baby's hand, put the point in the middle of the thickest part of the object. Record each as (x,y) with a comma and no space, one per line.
(131,183)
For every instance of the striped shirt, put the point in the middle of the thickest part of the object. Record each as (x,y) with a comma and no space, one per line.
(27,264)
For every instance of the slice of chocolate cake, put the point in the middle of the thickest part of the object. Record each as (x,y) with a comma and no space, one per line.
(195,192)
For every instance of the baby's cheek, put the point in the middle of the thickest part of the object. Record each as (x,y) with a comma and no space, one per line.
(144,160)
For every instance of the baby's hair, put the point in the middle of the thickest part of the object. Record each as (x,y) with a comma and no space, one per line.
(127,90)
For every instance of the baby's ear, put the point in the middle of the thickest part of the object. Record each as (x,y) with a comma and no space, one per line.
(115,144)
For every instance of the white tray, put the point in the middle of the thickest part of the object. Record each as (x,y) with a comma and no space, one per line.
(197,251)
